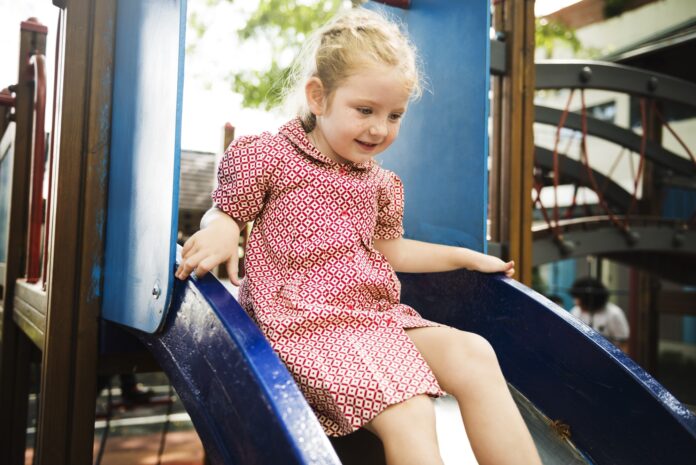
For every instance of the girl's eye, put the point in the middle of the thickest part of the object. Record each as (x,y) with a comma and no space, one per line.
(364,110)
(395,116)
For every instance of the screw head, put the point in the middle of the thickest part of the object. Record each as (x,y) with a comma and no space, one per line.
(585,74)
(156,291)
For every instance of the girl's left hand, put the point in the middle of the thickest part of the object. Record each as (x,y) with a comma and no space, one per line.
(491,264)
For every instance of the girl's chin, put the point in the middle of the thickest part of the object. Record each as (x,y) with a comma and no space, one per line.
(359,159)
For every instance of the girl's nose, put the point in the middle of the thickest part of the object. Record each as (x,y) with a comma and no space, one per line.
(378,129)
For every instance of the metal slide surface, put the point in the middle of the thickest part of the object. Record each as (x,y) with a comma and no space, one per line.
(248,410)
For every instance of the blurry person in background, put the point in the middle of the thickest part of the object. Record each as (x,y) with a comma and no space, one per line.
(592,306)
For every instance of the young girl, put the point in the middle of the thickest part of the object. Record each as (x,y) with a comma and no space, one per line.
(326,241)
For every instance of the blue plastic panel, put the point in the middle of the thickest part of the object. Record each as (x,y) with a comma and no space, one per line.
(144,162)
(441,152)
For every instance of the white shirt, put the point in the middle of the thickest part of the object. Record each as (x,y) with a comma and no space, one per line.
(609,321)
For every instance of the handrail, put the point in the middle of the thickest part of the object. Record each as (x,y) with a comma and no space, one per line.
(36,208)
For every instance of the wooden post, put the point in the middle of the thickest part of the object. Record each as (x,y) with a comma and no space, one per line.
(65,425)
(643,314)
(512,142)
(16,347)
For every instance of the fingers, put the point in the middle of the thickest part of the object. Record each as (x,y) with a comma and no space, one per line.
(186,266)
(188,250)
(188,245)
(233,270)
(198,261)
(206,265)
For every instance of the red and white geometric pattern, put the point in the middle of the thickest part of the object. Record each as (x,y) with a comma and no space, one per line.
(327,301)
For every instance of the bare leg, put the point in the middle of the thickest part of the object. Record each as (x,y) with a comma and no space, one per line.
(465,365)
(407,432)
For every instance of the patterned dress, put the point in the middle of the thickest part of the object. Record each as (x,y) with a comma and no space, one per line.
(325,298)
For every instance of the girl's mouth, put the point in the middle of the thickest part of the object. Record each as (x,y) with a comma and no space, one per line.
(366,145)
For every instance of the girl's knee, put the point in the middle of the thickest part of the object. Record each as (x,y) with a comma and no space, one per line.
(478,348)
(475,364)
(469,348)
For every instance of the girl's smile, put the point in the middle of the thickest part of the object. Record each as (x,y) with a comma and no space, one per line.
(366,146)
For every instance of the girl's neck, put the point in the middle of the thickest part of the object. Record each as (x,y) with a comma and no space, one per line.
(312,136)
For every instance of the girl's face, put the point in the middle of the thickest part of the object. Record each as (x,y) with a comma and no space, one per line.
(363,115)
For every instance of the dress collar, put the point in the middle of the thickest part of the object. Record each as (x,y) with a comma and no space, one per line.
(295,132)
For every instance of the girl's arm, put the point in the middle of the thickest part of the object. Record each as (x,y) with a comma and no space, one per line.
(215,243)
(422,257)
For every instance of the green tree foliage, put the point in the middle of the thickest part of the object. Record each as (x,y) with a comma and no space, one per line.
(283,24)
(548,33)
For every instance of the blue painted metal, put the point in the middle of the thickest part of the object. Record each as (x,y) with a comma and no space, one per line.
(560,276)
(689,330)
(243,402)
(441,153)
(617,412)
(144,161)
(679,203)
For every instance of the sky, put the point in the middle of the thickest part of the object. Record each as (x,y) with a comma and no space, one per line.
(208,100)
(546,7)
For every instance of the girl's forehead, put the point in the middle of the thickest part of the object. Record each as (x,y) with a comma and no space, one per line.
(384,83)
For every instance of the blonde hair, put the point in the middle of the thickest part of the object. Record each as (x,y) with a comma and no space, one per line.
(352,41)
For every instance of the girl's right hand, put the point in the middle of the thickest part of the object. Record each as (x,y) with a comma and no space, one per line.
(218,242)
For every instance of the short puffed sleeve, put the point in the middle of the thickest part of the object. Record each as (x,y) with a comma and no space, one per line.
(244,177)
(390,205)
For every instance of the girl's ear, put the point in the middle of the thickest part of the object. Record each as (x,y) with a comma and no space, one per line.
(314,91)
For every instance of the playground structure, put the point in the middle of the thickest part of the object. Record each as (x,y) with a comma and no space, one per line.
(104,245)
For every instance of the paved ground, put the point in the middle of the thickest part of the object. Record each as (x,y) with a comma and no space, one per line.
(181,448)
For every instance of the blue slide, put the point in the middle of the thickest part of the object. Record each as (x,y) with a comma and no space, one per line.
(243,402)
(247,409)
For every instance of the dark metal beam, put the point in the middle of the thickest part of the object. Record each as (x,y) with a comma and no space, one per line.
(498,57)
(572,171)
(581,74)
(618,135)
(599,236)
